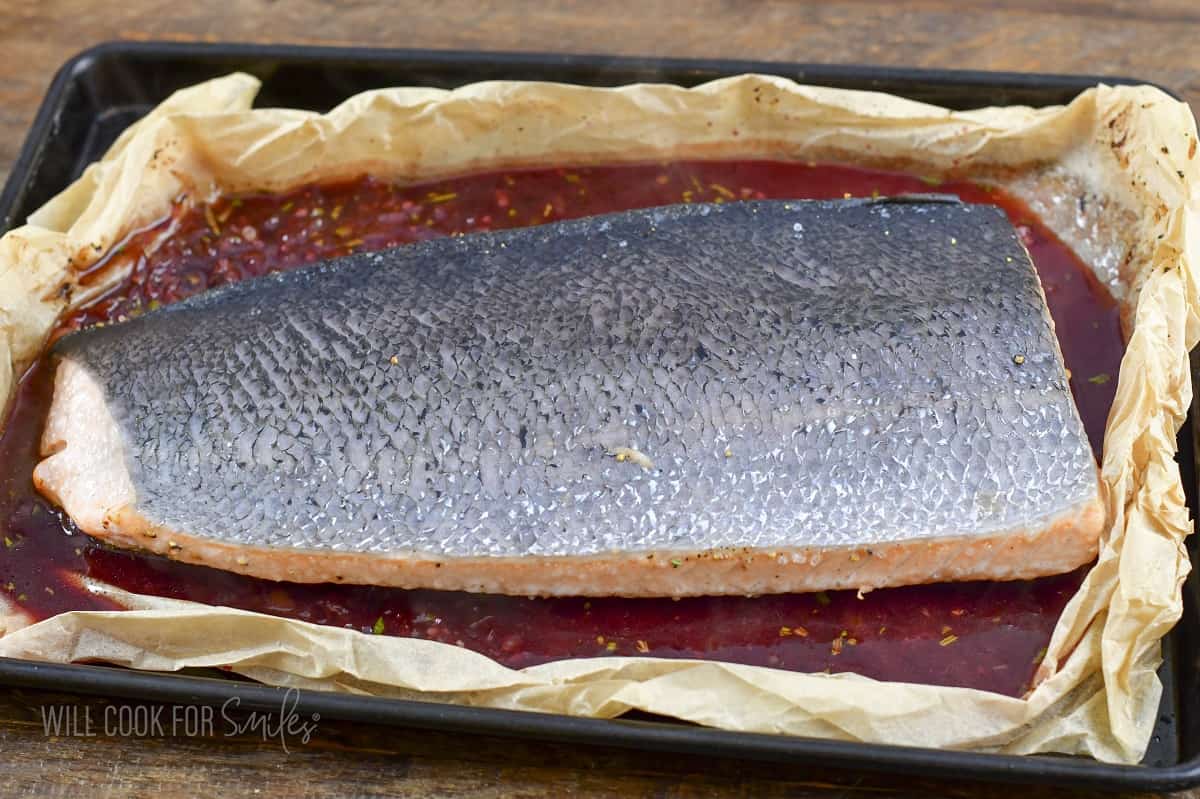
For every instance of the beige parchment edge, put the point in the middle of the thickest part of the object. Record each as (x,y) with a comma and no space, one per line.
(1129,153)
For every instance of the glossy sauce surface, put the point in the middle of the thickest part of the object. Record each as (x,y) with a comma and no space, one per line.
(980,635)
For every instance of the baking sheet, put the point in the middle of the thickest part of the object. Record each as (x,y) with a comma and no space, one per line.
(1109,145)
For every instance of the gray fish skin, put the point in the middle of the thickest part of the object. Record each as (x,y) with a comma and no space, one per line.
(766,377)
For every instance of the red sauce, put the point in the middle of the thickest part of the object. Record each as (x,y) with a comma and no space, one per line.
(979,635)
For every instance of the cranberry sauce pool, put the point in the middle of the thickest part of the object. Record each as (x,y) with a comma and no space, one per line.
(979,635)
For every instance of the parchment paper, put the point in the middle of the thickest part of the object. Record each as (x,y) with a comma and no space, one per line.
(1128,152)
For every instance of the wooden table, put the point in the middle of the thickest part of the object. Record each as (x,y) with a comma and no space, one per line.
(1158,40)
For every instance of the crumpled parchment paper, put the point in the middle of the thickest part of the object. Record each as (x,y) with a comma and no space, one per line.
(1130,152)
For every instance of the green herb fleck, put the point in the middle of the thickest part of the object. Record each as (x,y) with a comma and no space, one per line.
(8,542)
(676,562)
(377,628)
(1100,379)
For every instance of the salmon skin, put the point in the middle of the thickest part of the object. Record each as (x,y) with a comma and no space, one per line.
(689,400)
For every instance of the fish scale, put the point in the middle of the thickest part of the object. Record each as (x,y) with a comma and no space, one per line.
(758,376)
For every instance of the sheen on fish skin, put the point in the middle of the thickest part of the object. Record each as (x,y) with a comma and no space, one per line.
(699,399)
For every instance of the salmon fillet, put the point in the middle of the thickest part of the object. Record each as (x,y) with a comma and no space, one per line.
(691,400)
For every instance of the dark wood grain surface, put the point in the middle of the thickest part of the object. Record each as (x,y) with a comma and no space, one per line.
(1158,40)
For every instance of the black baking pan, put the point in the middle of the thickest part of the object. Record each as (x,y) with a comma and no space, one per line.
(100,92)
